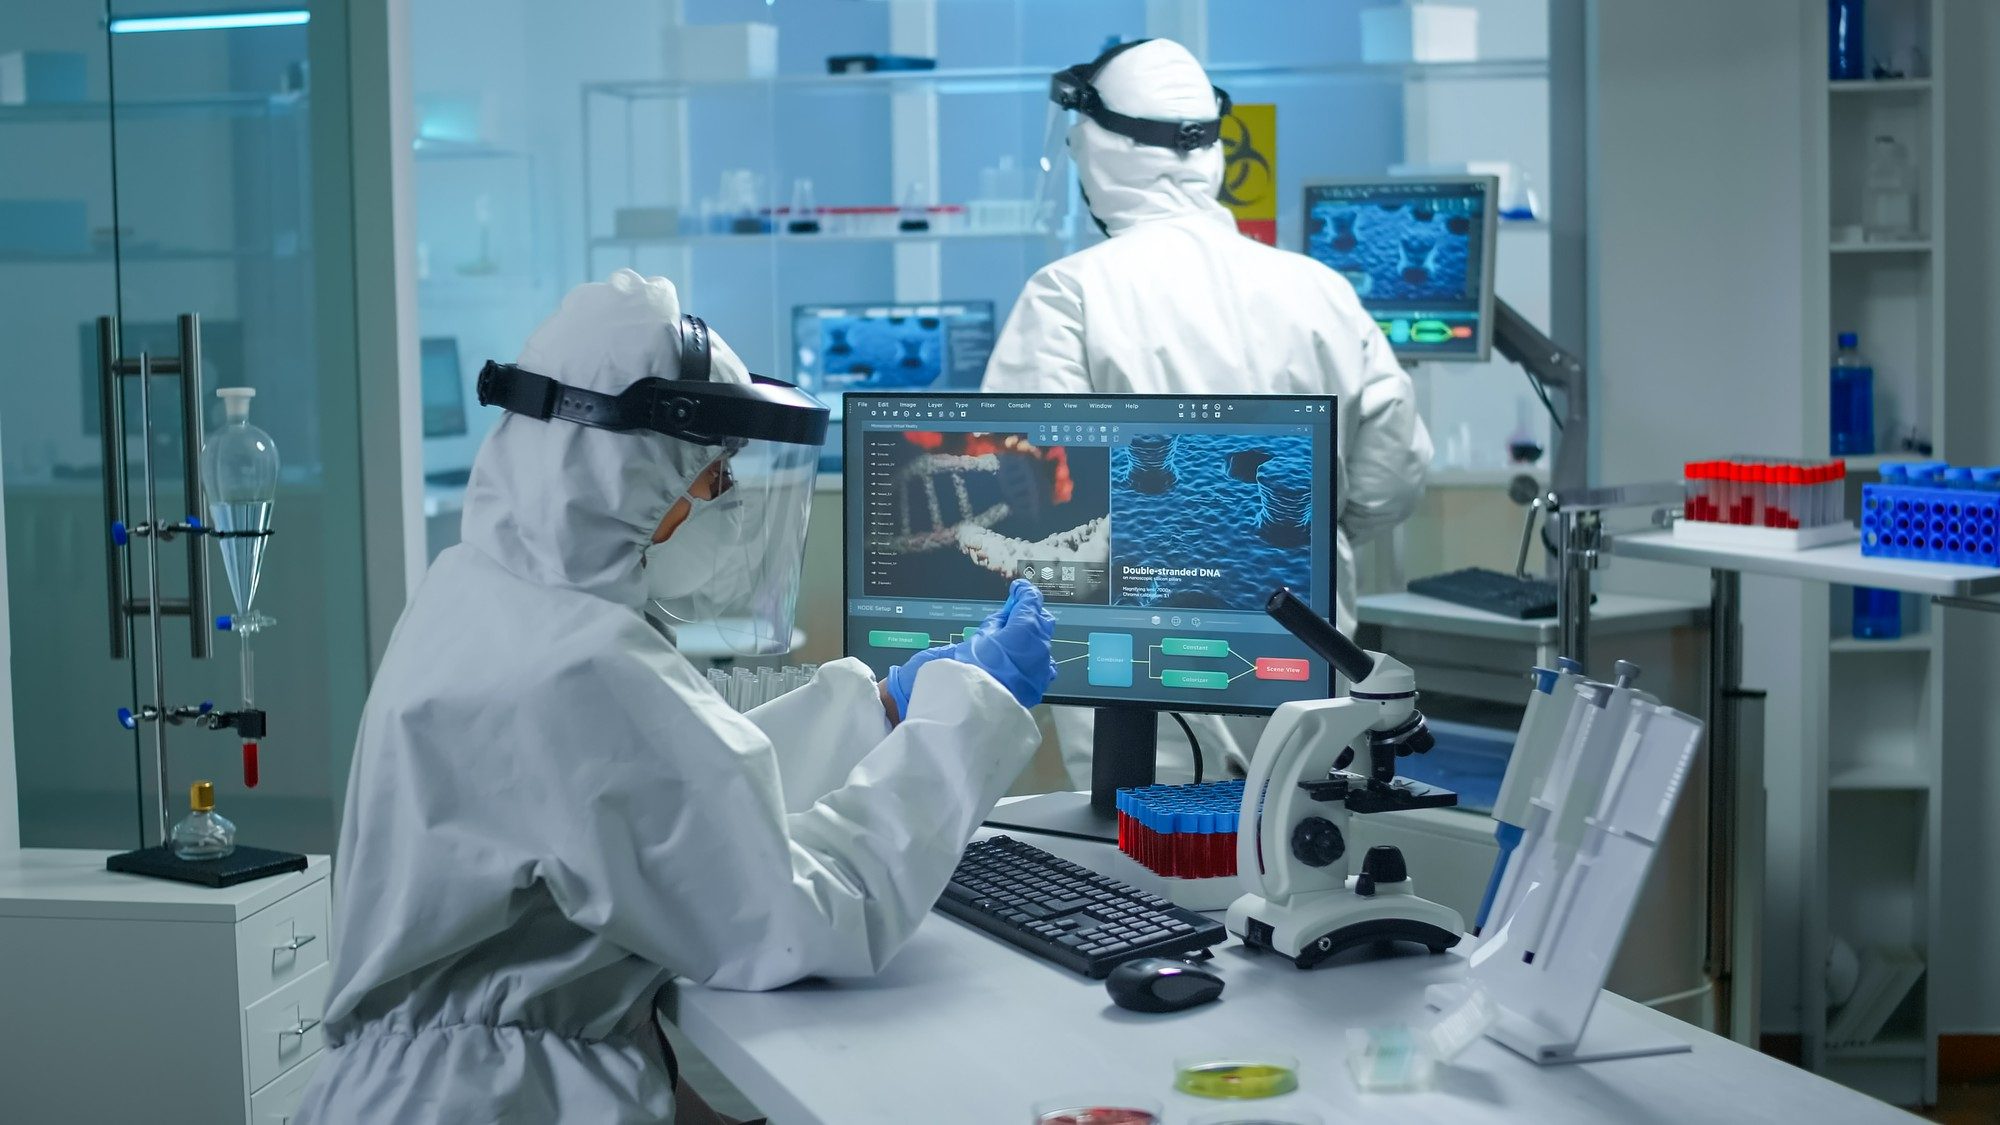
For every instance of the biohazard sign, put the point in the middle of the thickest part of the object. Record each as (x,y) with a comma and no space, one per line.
(1250,170)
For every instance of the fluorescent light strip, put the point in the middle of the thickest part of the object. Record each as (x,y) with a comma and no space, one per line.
(216,21)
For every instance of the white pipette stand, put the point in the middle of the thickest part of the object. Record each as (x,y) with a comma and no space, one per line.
(1571,886)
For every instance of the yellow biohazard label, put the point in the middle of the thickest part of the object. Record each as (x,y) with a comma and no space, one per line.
(1250,169)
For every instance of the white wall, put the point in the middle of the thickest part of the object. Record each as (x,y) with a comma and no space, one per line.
(1694,173)
(1964,952)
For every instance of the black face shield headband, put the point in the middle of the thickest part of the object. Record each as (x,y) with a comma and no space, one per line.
(1075,89)
(691,408)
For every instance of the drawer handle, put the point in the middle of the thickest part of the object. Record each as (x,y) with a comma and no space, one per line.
(305,1025)
(298,942)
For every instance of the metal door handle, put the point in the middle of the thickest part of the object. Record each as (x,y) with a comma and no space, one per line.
(298,942)
(305,1025)
(111,429)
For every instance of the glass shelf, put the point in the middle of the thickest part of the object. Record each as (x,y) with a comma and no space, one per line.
(433,149)
(100,257)
(1035,79)
(1880,86)
(809,239)
(221,106)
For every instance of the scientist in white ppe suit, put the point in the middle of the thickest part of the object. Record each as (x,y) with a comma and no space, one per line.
(551,814)
(1175,301)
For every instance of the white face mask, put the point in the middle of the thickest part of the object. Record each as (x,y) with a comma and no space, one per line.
(695,559)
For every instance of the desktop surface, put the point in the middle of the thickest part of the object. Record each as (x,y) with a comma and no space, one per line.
(1156,528)
(1419,253)
(962,1027)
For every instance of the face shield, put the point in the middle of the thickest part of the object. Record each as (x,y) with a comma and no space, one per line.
(734,563)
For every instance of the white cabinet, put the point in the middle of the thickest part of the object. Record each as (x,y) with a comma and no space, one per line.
(134,999)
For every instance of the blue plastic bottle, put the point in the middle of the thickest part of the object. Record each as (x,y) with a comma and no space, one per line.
(1852,400)
(1845,57)
(1878,614)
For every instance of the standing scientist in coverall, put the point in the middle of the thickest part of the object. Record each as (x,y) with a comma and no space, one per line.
(1175,301)
(551,814)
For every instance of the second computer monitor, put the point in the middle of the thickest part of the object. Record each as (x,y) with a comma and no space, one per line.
(937,345)
(1419,253)
(1156,527)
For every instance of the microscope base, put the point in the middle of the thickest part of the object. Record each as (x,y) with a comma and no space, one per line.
(1310,928)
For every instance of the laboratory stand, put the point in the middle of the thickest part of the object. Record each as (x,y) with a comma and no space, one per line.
(1873,797)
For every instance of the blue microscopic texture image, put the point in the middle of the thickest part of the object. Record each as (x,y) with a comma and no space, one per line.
(1214,521)
(894,352)
(1394,252)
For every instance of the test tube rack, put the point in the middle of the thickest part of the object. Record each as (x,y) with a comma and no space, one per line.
(1182,831)
(1781,504)
(1932,512)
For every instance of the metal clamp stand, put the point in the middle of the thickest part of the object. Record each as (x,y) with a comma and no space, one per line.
(113,370)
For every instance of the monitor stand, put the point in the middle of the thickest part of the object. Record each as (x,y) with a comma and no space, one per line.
(1121,757)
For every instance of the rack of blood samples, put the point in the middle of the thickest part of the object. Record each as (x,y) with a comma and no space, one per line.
(1768,501)
(1182,831)
(1933,512)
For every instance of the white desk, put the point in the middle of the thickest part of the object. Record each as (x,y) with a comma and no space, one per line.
(962,1028)
(1842,564)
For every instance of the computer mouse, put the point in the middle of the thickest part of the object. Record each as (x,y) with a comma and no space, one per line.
(1158,984)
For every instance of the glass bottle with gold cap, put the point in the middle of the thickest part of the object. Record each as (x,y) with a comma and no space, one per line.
(205,834)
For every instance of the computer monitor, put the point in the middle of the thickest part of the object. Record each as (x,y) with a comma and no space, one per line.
(876,345)
(443,387)
(1420,255)
(1156,527)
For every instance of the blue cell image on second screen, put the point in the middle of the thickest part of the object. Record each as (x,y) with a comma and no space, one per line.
(1395,250)
(867,353)
(1213,521)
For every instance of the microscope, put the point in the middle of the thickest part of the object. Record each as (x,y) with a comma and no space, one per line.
(1294,853)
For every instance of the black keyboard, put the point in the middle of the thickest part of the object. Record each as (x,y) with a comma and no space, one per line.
(1068,914)
(1492,591)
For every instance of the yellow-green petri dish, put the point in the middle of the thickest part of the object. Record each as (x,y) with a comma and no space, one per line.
(1237,1078)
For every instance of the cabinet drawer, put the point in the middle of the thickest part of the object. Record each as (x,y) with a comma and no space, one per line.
(281,943)
(283,1029)
(278,1103)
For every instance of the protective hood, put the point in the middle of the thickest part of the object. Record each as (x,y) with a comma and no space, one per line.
(1128,183)
(571,506)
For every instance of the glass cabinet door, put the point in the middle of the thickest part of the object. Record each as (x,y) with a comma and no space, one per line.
(199,170)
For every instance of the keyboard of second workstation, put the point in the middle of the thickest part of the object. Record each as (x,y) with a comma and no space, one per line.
(1065,913)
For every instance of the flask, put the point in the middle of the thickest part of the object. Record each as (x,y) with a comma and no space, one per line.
(205,834)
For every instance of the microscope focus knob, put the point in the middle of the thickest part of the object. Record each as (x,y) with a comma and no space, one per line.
(1317,843)
(1382,866)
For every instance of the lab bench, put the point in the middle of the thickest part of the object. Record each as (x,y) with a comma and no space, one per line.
(960,1027)
(136,999)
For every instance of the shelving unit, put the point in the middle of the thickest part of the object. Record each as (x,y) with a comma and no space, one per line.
(1873,800)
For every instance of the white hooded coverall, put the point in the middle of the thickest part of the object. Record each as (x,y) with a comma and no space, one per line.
(1177,302)
(550,814)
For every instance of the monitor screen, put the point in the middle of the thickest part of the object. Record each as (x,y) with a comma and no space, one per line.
(1156,527)
(443,388)
(1420,256)
(908,347)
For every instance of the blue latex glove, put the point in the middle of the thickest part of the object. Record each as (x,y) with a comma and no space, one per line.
(1012,645)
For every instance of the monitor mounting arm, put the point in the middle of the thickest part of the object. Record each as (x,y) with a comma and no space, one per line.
(1528,348)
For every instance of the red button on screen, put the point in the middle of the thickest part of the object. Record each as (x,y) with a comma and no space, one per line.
(1283,668)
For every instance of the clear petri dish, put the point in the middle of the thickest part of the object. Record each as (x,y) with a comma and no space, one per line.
(1260,1117)
(1236,1077)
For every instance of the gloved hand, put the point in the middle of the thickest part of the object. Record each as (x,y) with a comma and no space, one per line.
(1012,645)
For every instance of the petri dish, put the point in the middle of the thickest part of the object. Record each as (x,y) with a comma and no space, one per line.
(1097,1109)
(1236,1077)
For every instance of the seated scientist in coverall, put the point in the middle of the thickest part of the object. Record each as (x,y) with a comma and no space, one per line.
(1176,301)
(551,813)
